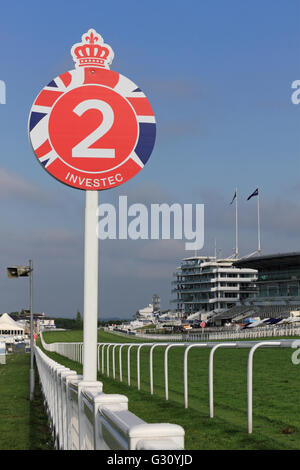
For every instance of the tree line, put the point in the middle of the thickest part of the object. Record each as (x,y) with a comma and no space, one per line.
(77,323)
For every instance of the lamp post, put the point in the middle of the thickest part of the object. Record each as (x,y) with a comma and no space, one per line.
(26,271)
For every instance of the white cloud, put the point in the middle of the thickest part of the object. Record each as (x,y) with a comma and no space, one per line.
(14,186)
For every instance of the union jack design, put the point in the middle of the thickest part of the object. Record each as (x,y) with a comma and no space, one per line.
(49,96)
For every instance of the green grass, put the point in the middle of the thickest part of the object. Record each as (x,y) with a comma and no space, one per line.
(23,424)
(77,336)
(276,404)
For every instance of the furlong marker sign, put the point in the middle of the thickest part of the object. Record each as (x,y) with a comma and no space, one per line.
(92,128)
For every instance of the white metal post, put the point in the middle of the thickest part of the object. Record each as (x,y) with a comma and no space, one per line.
(103,357)
(185,370)
(107,359)
(114,361)
(258,226)
(138,362)
(236,225)
(120,361)
(250,377)
(128,363)
(211,374)
(90,317)
(31,372)
(151,363)
(166,366)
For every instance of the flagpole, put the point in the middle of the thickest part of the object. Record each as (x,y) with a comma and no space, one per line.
(258,226)
(236,225)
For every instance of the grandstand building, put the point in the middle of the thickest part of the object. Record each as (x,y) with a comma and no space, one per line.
(278,280)
(208,284)
(277,291)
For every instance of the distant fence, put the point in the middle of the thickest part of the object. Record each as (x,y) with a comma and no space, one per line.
(74,350)
(222,334)
(82,417)
(248,333)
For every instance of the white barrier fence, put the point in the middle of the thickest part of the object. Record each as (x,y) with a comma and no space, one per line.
(223,334)
(82,417)
(76,351)
(248,333)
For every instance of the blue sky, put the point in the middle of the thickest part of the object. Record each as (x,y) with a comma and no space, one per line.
(218,75)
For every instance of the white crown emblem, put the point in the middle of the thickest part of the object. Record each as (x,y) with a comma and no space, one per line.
(92,51)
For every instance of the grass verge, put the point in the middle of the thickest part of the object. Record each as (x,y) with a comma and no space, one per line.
(23,423)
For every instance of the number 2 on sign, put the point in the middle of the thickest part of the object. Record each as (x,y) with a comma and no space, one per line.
(83,150)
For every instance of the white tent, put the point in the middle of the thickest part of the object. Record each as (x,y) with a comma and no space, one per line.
(8,326)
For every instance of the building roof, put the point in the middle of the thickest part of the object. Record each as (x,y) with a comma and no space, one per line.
(282,260)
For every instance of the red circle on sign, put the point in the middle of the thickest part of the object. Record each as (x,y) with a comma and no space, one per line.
(93,129)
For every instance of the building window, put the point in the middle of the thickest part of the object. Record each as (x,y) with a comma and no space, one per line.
(293,290)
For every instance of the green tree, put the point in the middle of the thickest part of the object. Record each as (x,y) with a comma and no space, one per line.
(79,322)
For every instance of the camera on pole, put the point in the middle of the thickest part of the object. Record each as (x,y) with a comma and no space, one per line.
(18,271)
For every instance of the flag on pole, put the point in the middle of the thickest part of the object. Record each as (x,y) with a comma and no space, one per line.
(233,197)
(255,193)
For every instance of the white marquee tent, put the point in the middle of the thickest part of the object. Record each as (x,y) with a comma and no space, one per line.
(8,326)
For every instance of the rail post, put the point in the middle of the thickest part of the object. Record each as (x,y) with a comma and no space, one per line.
(151,363)
(166,366)
(185,369)
(211,374)
(250,378)
(138,363)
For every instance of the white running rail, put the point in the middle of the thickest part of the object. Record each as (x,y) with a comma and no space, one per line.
(69,350)
(82,417)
